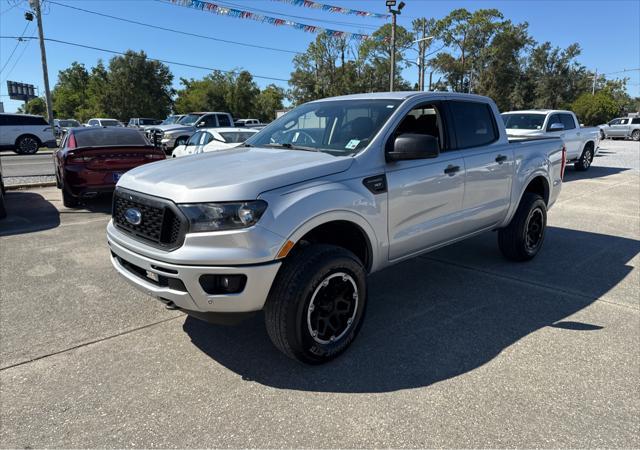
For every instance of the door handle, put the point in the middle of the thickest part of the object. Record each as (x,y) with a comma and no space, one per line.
(501,158)
(451,170)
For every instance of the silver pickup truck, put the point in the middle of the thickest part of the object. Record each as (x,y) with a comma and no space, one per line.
(293,221)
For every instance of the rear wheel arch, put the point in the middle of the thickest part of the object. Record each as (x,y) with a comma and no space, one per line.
(537,185)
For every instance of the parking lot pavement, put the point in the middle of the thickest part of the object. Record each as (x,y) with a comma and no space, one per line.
(460,348)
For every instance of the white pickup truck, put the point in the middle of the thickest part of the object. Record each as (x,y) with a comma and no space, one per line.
(293,221)
(582,143)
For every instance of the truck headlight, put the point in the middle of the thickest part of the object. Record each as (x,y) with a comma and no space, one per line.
(223,216)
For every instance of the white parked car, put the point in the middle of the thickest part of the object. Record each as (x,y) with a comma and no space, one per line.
(25,134)
(104,123)
(213,139)
(249,123)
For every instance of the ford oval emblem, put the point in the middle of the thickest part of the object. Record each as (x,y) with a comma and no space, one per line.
(133,216)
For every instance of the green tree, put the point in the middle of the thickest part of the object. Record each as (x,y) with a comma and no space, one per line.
(70,92)
(596,109)
(36,106)
(501,65)
(242,94)
(268,102)
(467,34)
(137,87)
(374,56)
(207,94)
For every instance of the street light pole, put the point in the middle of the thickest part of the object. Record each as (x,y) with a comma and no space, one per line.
(422,49)
(35,4)
(394,12)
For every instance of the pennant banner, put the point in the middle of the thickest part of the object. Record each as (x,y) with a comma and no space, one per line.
(336,9)
(237,13)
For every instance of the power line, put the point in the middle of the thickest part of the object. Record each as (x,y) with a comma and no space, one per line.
(226,41)
(621,71)
(16,47)
(74,44)
(15,63)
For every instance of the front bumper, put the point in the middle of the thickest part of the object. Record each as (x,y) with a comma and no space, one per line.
(189,294)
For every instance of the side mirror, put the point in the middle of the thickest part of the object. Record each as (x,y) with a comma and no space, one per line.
(414,146)
(556,127)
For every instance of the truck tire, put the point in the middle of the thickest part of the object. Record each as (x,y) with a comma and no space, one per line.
(68,200)
(317,303)
(585,160)
(635,135)
(27,145)
(522,239)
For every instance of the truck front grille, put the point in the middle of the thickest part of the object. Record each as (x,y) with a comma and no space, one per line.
(161,223)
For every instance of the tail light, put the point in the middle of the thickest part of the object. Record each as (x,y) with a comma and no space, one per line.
(154,156)
(564,162)
(77,159)
(71,143)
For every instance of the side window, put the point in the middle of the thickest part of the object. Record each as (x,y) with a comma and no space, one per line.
(93,122)
(555,118)
(223,120)
(636,121)
(206,138)
(567,121)
(624,121)
(4,120)
(473,123)
(195,138)
(208,121)
(424,119)
(614,122)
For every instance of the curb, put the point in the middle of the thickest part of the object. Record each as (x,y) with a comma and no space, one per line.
(15,187)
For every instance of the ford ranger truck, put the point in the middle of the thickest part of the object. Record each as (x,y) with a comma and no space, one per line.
(582,143)
(293,221)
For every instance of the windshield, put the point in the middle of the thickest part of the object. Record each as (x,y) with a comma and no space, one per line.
(170,120)
(523,121)
(338,127)
(110,123)
(189,119)
(236,136)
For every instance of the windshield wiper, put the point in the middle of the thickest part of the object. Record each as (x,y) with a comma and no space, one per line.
(293,147)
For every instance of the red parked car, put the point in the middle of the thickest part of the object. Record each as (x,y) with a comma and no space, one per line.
(91,160)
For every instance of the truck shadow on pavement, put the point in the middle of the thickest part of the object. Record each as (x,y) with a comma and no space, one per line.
(439,316)
(28,212)
(572,174)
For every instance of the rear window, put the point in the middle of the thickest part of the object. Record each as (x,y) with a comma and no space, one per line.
(223,120)
(567,121)
(473,124)
(109,123)
(101,137)
(236,137)
(523,121)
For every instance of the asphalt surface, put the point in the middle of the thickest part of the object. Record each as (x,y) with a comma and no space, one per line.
(460,348)
(27,165)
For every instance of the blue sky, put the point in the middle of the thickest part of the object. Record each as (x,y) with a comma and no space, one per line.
(608,32)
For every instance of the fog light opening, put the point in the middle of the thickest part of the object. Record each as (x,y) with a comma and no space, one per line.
(223,284)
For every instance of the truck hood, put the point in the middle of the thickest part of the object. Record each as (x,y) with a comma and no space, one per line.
(230,175)
(171,127)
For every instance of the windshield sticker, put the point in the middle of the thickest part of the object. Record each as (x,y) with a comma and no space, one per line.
(353,143)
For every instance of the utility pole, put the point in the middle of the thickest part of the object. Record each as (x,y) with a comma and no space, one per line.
(35,4)
(422,46)
(394,12)
(593,89)
(430,79)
